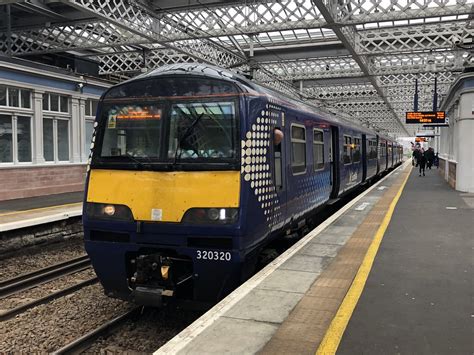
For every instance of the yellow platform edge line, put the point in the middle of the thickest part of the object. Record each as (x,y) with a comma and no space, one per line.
(336,329)
(41,209)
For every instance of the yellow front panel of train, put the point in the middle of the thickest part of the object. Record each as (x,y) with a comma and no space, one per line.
(164,196)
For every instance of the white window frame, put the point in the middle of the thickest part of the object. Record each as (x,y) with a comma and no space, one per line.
(300,141)
(55,120)
(14,119)
(89,103)
(7,97)
(68,112)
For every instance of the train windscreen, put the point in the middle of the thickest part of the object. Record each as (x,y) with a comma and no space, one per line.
(178,131)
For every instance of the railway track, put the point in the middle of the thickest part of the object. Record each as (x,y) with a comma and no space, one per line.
(84,342)
(39,277)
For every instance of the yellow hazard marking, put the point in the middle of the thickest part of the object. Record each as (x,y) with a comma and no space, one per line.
(78,204)
(336,329)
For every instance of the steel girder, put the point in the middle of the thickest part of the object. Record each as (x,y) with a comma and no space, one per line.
(246,18)
(341,92)
(61,37)
(373,11)
(139,21)
(135,62)
(390,43)
(443,35)
(347,35)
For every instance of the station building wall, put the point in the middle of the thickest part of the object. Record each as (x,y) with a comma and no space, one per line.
(455,142)
(46,123)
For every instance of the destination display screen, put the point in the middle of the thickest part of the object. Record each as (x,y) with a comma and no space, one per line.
(425,117)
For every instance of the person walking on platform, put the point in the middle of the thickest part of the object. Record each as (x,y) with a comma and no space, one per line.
(436,161)
(416,155)
(421,161)
(429,157)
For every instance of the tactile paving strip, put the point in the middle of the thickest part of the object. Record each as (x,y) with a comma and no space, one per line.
(305,327)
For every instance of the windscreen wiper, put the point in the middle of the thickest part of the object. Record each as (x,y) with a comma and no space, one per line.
(132,158)
(185,136)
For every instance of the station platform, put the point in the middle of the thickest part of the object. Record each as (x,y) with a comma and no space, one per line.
(411,234)
(27,212)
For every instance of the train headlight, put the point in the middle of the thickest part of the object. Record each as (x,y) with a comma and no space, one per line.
(211,215)
(108,211)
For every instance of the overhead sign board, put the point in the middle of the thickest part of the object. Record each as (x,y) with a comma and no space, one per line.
(425,117)
(420,139)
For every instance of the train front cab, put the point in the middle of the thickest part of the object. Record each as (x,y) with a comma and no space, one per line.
(168,221)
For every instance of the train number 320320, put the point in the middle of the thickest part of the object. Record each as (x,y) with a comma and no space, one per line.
(213,255)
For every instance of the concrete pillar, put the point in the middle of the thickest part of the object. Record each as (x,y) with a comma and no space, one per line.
(75,131)
(37,127)
(464,150)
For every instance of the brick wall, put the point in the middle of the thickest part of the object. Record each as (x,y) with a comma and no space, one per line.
(39,181)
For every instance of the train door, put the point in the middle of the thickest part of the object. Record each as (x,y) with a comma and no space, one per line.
(377,147)
(279,164)
(364,157)
(334,161)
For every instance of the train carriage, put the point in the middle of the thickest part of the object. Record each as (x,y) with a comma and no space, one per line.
(188,182)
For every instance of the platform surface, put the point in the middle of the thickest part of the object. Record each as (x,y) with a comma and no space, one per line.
(27,212)
(417,299)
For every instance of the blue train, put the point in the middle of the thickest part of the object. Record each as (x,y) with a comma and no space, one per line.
(194,169)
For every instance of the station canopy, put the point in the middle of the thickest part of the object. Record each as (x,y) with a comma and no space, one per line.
(358,58)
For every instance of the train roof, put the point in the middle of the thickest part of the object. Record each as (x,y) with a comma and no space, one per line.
(199,69)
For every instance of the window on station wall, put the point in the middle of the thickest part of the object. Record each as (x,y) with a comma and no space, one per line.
(15,97)
(48,139)
(15,139)
(347,151)
(63,140)
(88,137)
(55,103)
(23,134)
(298,147)
(91,107)
(318,149)
(55,139)
(6,139)
(356,154)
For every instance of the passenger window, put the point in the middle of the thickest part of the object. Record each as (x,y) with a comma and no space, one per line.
(347,157)
(373,149)
(298,147)
(356,152)
(318,149)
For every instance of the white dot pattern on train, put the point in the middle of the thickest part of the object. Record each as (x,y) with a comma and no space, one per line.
(256,167)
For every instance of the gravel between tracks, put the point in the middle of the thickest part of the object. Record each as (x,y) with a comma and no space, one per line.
(146,334)
(45,289)
(38,257)
(49,327)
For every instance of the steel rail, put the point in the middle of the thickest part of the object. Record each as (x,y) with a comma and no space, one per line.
(38,277)
(25,306)
(84,342)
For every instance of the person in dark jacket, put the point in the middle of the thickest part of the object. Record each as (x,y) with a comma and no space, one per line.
(429,157)
(416,156)
(421,161)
